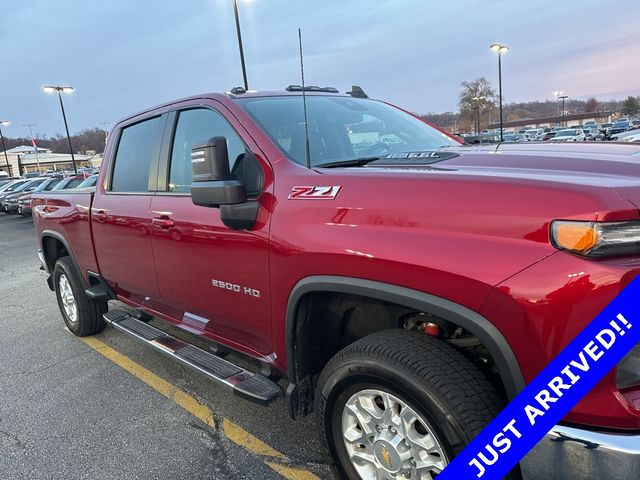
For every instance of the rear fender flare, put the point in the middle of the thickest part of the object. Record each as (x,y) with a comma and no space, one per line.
(53,234)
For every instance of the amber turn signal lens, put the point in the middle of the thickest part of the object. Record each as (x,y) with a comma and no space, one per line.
(576,237)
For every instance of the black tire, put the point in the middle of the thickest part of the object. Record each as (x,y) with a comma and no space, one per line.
(88,313)
(431,377)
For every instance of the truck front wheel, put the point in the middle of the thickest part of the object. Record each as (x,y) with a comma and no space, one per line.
(401,404)
(82,315)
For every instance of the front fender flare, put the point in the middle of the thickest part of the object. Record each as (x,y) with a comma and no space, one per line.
(468,319)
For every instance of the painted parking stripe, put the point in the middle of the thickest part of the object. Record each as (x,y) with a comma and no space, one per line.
(236,434)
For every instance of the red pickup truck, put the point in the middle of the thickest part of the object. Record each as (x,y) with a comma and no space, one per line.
(374,271)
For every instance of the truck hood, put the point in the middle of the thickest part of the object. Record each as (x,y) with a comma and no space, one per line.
(494,206)
(597,165)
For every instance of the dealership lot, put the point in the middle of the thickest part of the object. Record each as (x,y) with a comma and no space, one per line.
(68,408)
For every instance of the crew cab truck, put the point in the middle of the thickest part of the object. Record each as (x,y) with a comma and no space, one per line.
(399,285)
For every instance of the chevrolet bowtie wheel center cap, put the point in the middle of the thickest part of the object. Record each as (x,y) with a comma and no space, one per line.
(386,439)
(387,456)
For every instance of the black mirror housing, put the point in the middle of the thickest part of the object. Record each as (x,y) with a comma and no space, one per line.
(212,184)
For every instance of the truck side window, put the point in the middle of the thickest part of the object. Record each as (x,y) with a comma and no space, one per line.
(198,126)
(136,149)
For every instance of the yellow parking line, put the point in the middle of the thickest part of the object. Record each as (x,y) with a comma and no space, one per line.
(183,399)
(292,473)
(233,432)
(240,436)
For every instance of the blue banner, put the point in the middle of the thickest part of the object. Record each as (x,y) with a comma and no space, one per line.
(555,391)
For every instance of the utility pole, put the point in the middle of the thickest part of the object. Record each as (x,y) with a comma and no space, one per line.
(4,123)
(563,97)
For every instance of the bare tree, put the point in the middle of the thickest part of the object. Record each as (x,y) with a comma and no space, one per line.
(591,105)
(479,94)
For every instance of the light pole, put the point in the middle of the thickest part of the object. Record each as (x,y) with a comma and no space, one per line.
(477,119)
(477,109)
(33,142)
(61,90)
(244,69)
(563,97)
(499,49)
(557,94)
(5,123)
(106,127)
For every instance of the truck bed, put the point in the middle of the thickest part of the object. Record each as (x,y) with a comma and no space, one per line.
(65,216)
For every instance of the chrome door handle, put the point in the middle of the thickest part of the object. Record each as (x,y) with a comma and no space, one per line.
(163,222)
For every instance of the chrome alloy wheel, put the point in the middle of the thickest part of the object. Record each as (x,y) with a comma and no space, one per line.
(386,439)
(68,300)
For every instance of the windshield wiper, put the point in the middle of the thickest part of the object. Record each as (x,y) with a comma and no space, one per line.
(354,162)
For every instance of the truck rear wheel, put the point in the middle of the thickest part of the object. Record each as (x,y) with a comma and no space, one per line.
(82,315)
(401,404)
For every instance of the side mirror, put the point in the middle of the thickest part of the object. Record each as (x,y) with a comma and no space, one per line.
(212,184)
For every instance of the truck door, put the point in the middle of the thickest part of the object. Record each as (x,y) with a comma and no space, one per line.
(212,278)
(120,219)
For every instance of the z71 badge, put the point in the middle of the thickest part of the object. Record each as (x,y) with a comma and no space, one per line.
(314,193)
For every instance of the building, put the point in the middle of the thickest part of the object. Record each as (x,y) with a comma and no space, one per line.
(23,159)
(568,119)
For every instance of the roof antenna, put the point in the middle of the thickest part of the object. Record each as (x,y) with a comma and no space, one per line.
(304,103)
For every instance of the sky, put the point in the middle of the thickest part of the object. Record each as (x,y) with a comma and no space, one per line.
(123,56)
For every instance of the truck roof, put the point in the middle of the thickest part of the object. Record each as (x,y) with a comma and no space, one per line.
(224,97)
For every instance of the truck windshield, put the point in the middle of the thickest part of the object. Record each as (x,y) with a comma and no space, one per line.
(341,129)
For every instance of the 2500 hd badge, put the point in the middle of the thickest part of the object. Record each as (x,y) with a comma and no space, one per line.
(234,287)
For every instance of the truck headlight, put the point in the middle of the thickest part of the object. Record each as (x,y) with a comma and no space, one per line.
(596,239)
(629,369)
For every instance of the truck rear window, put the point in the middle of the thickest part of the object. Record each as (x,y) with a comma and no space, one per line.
(137,147)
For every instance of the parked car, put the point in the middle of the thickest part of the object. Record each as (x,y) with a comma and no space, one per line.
(24,204)
(482,138)
(619,126)
(570,135)
(634,137)
(88,182)
(511,137)
(10,202)
(620,136)
(406,331)
(24,200)
(69,182)
(549,135)
(533,134)
(592,133)
(10,188)
(604,129)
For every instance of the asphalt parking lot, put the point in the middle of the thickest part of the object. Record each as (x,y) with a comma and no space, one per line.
(111,408)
